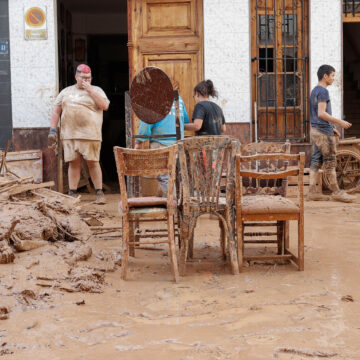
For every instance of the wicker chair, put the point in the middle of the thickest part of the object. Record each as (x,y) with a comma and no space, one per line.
(134,210)
(203,160)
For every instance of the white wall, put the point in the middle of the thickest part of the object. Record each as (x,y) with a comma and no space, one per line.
(227,55)
(326,46)
(34,79)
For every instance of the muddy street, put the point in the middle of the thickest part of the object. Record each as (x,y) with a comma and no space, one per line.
(59,306)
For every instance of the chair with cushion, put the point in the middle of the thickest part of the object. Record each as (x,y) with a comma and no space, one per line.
(261,208)
(134,210)
(203,160)
(272,232)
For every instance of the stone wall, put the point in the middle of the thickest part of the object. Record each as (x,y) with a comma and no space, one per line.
(34,82)
(227,55)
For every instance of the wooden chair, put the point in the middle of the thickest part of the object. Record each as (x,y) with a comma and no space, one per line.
(275,230)
(130,162)
(263,208)
(203,160)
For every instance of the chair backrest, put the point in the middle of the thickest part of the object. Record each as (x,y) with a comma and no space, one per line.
(268,173)
(131,162)
(268,186)
(207,166)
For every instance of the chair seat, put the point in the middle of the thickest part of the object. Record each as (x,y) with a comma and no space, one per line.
(148,212)
(267,204)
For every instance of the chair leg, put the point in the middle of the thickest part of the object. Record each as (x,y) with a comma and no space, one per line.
(125,248)
(185,233)
(222,239)
(191,240)
(240,243)
(132,237)
(301,243)
(171,236)
(280,236)
(286,235)
(191,244)
(231,245)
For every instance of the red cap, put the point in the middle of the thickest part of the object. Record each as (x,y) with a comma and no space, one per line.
(83,68)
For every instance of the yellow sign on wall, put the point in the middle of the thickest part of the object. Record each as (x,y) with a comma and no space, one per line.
(35,23)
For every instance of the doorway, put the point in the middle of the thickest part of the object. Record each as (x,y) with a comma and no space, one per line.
(351,61)
(96,34)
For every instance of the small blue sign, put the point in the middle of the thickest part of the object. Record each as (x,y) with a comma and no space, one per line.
(4,47)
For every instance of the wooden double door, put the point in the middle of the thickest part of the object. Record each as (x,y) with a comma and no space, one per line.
(280,63)
(168,34)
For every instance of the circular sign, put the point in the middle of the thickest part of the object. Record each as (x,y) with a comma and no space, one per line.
(35,17)
(151,94)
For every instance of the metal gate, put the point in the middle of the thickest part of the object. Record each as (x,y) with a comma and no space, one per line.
(280,69)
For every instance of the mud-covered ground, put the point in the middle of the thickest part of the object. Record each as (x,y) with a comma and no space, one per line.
(62,308)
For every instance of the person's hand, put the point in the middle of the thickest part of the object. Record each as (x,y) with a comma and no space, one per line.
(336,132)
(345,124)
(86,85)
(53,139)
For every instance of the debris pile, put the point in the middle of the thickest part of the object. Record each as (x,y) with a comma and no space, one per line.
(32,214)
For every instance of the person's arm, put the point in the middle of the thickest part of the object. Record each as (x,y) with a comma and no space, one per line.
(57,109)
(336,132)
(195,125)
(100,101)
(322,114)
(223,128)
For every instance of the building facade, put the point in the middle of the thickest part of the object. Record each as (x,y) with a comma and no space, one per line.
(262,56)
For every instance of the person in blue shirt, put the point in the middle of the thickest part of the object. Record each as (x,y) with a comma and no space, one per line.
(163,127)
(322,136)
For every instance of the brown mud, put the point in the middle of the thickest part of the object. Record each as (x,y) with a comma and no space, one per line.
(64,301)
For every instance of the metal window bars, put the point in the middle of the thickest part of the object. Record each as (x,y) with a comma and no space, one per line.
(281,70)
(351,7)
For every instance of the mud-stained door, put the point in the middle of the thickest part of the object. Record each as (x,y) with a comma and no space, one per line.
(168,34)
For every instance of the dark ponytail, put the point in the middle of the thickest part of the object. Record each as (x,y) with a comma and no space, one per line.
(206,88)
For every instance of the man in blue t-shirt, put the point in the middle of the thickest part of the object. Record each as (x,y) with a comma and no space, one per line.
(163,127)
(322,135)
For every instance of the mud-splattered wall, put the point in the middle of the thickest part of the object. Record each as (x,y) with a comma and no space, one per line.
(326,45)
(227,55)
(34,80)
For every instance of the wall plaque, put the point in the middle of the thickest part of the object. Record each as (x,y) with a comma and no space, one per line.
(35,23)
(4,47)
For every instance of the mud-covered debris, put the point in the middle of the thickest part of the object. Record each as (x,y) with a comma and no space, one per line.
(87,279)
(7,255)
(82,302)
(5,352)
(347,298)
(4,313)
(79,253)
(307,352)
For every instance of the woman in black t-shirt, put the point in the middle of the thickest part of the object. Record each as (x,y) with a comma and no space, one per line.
(208,118)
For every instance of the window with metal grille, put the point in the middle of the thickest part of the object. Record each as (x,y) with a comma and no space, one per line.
(351,8)
(280,68)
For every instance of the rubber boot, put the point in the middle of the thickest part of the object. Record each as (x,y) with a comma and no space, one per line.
(315,193)
(343,196)
(337,194)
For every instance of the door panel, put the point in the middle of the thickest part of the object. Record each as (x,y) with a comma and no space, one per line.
(280,65)
(179,67)
(167,34)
